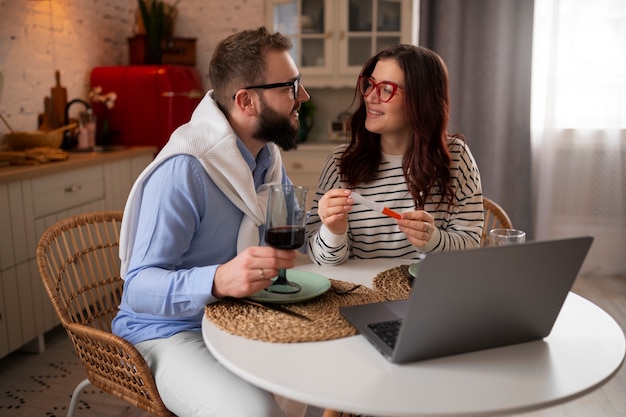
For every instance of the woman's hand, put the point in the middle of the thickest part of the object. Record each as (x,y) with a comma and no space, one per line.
(418,226)
(251,271)
(333,209)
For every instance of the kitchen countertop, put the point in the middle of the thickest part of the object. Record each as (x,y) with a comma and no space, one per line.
(11,173)
(75,160)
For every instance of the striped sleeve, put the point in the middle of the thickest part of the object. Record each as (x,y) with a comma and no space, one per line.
(324,247)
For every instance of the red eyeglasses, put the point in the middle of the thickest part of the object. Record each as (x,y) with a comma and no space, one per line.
(385,89)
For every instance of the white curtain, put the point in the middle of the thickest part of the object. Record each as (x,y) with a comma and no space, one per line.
(578,126)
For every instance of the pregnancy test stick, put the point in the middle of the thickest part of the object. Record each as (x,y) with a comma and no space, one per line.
(373,205)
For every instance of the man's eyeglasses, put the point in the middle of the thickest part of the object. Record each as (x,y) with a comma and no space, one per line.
(295,85)
(385,89)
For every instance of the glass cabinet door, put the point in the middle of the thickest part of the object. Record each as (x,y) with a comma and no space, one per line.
(332,39)
(306,23)
(372,25)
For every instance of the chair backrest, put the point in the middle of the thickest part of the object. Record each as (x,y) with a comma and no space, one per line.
(78,261)
(495,217)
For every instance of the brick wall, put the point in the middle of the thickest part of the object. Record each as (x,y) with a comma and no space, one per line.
(38,37)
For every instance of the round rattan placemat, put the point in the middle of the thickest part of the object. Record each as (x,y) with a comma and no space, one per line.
(267,325)
(394,283)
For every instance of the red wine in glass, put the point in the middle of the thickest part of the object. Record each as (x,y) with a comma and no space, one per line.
(285,228)
(285,237)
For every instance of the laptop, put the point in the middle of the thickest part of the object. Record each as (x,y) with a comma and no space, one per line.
(464,301)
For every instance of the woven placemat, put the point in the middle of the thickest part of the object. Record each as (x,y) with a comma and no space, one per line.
(394,283)
(267,325)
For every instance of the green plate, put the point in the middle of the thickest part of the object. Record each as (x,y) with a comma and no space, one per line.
(313,285)
(413,269)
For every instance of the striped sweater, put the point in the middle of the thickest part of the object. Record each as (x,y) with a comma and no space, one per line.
(373,235)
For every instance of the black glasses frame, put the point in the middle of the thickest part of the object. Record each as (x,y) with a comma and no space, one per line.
(294,84)
(377,86)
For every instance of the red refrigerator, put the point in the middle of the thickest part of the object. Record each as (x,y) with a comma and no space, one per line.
(152,101)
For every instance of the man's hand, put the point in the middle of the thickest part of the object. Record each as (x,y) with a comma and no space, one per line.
(251,271)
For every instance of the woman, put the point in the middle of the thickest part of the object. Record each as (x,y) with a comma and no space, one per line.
(400,154)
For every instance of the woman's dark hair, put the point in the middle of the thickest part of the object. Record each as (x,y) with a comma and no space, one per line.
(239,61)
(426,164)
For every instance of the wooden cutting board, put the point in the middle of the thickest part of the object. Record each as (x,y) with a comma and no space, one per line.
(58,95)
(45,118)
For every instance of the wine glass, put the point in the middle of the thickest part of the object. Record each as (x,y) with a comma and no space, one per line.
(284,228)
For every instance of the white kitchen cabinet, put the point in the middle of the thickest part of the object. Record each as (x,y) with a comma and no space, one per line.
(4,331)
(10,329)
(333,38)
(304,165)
(31,200)
(16,318)
(6,259)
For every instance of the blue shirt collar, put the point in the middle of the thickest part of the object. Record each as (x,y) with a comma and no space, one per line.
(257,166)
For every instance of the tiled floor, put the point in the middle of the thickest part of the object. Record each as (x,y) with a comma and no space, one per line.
(34,385)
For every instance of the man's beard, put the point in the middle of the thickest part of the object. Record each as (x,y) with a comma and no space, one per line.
(274,127)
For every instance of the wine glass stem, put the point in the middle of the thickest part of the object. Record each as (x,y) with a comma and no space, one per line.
(282,277)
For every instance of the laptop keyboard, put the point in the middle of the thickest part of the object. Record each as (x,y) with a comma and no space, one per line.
(387,331)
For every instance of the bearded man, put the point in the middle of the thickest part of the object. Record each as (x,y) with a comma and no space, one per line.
(193,224)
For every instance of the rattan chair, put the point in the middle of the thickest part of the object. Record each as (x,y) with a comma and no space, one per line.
(495,217)
(79,265)
(333,413)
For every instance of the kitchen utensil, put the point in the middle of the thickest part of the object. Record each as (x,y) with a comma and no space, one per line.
(1,116)
(71,138)
(45,118)
(59,101)
(86,130)
(274,307)
(340,291)
(6,123)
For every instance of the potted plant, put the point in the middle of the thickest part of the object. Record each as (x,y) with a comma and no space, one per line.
(156,22)
(306,118)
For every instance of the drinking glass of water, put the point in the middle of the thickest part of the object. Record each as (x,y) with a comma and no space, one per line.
(499,237)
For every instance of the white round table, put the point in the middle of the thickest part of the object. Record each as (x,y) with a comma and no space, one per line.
(584,350)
